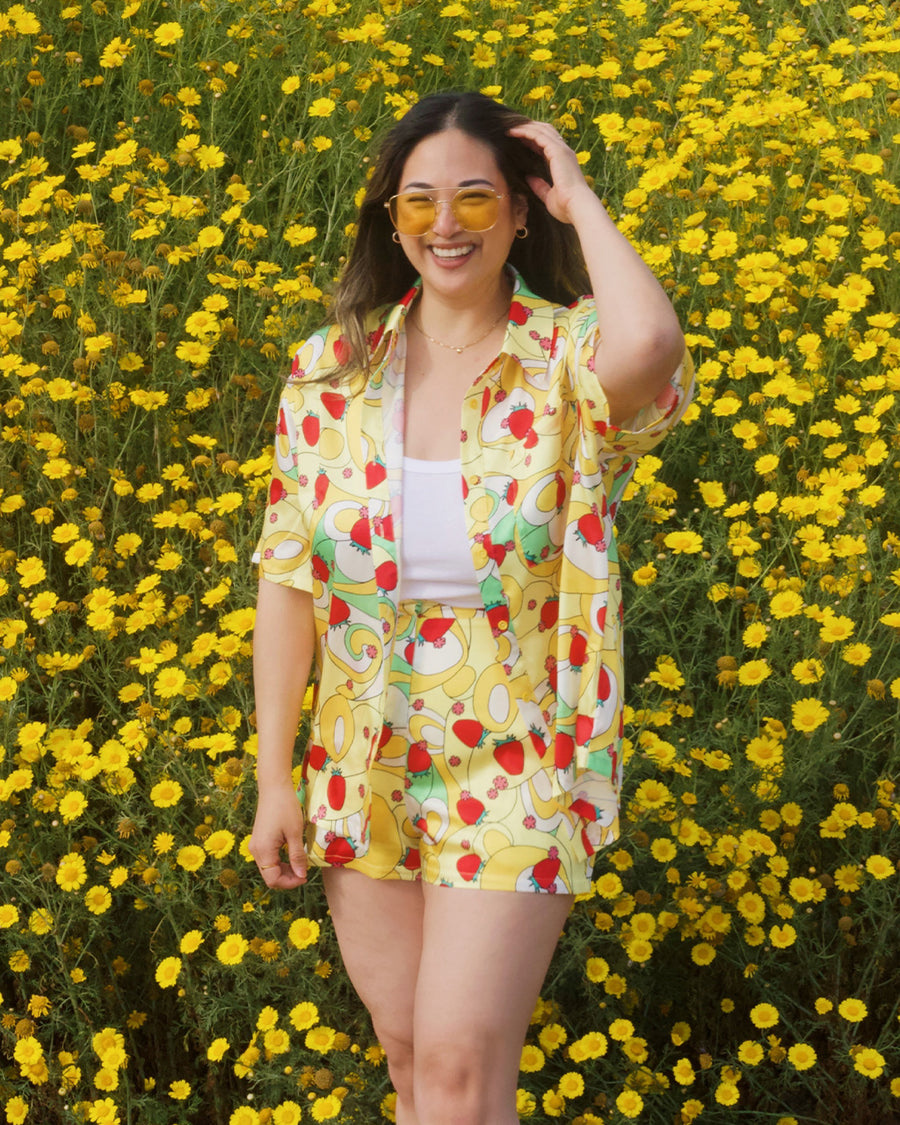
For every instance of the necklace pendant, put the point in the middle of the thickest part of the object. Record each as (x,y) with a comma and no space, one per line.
(459,351)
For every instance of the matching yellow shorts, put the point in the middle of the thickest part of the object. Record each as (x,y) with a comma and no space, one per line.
(461,791)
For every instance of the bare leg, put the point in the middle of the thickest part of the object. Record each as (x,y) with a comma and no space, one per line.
(451,978)
(484,958)
(379,928)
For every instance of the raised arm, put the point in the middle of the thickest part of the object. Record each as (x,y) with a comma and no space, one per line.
(640,340)
(283,648)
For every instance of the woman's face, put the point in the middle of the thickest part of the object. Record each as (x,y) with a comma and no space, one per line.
(465,267)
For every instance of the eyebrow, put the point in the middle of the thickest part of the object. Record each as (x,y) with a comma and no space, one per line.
(462,184)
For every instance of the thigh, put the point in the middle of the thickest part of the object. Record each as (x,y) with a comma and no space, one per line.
(378,923)
(484,958)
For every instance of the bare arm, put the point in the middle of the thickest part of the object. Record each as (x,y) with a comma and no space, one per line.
(283,649)
(641,342)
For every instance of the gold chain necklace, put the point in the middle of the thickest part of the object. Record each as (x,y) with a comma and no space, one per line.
(460,348)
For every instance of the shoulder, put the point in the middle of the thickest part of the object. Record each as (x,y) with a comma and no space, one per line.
(541,330)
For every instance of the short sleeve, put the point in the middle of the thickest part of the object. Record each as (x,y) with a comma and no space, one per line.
(652,422)
(283,550)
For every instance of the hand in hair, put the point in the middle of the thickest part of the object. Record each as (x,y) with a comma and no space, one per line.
(568,185)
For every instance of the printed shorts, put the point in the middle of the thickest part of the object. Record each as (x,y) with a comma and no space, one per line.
(461,791)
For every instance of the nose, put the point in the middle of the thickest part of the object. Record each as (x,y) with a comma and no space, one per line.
(445,222)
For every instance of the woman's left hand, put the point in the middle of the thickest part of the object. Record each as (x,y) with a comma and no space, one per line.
(569,185)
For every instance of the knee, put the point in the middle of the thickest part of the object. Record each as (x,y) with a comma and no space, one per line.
(456,1080)
(398,1049)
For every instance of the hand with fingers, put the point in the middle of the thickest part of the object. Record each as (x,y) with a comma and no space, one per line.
(279,825)
(568,187)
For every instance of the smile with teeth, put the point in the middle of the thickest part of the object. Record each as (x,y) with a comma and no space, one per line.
(451,251)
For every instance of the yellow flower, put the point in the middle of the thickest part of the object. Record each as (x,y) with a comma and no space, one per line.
(532,1059)
(209,156)
(170,682)
(72,805)
(16,1110)
(31,571)
(753,672)
(244,1115)
(287,1113)
(304,1015)
(71,873)
(645,575)
(621,1029)
(684,542)
(629,1103)
(880,867)
(166,793)
(808,671)
(596,969)
(856,654)
(115,52)
(320,1039)
(179,1090)
(867,1061)
(168,33)
(727,1093)
(750,1053)
(836,627)
(303,932)
(786,603)
(276,1041)
(571,1085)
(808,714)
(325,1108)
(321,107)
(764,1015)
(232,948)
(782,936)
(167,971)
(801,1056)
(9,916)
(191,857)
(98,899)
(298,235)
(209,237)
(217,1049)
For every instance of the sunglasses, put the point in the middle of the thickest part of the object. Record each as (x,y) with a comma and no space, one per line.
(415,212)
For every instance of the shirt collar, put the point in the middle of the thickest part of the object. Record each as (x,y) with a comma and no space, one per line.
(529,327)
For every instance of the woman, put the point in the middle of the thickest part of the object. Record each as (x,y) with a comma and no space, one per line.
(464,757)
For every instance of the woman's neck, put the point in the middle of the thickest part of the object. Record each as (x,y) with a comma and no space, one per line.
(460,323)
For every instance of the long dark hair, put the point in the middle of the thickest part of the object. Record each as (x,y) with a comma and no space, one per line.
(378,272)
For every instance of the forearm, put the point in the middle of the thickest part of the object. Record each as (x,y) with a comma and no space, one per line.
(283,651)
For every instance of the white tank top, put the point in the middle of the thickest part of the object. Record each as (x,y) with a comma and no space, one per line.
(435,557)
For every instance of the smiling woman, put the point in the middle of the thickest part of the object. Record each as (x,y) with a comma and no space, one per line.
(439,546)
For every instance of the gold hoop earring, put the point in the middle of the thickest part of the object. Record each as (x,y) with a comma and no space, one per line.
(522,232)
(396,236)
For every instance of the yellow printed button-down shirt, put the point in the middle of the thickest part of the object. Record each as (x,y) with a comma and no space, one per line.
(542,474)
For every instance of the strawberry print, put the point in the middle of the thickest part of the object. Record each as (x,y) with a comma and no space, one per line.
(337,790)
(510,756)
(310,428)
(335,404)
(375,473)
(520,421)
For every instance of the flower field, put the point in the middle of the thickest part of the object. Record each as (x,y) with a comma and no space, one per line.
(177,189)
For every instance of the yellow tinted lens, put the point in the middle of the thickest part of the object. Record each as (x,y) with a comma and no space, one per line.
(475,210)
(413,213)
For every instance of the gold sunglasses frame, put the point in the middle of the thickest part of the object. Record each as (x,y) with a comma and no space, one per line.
(437,203)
